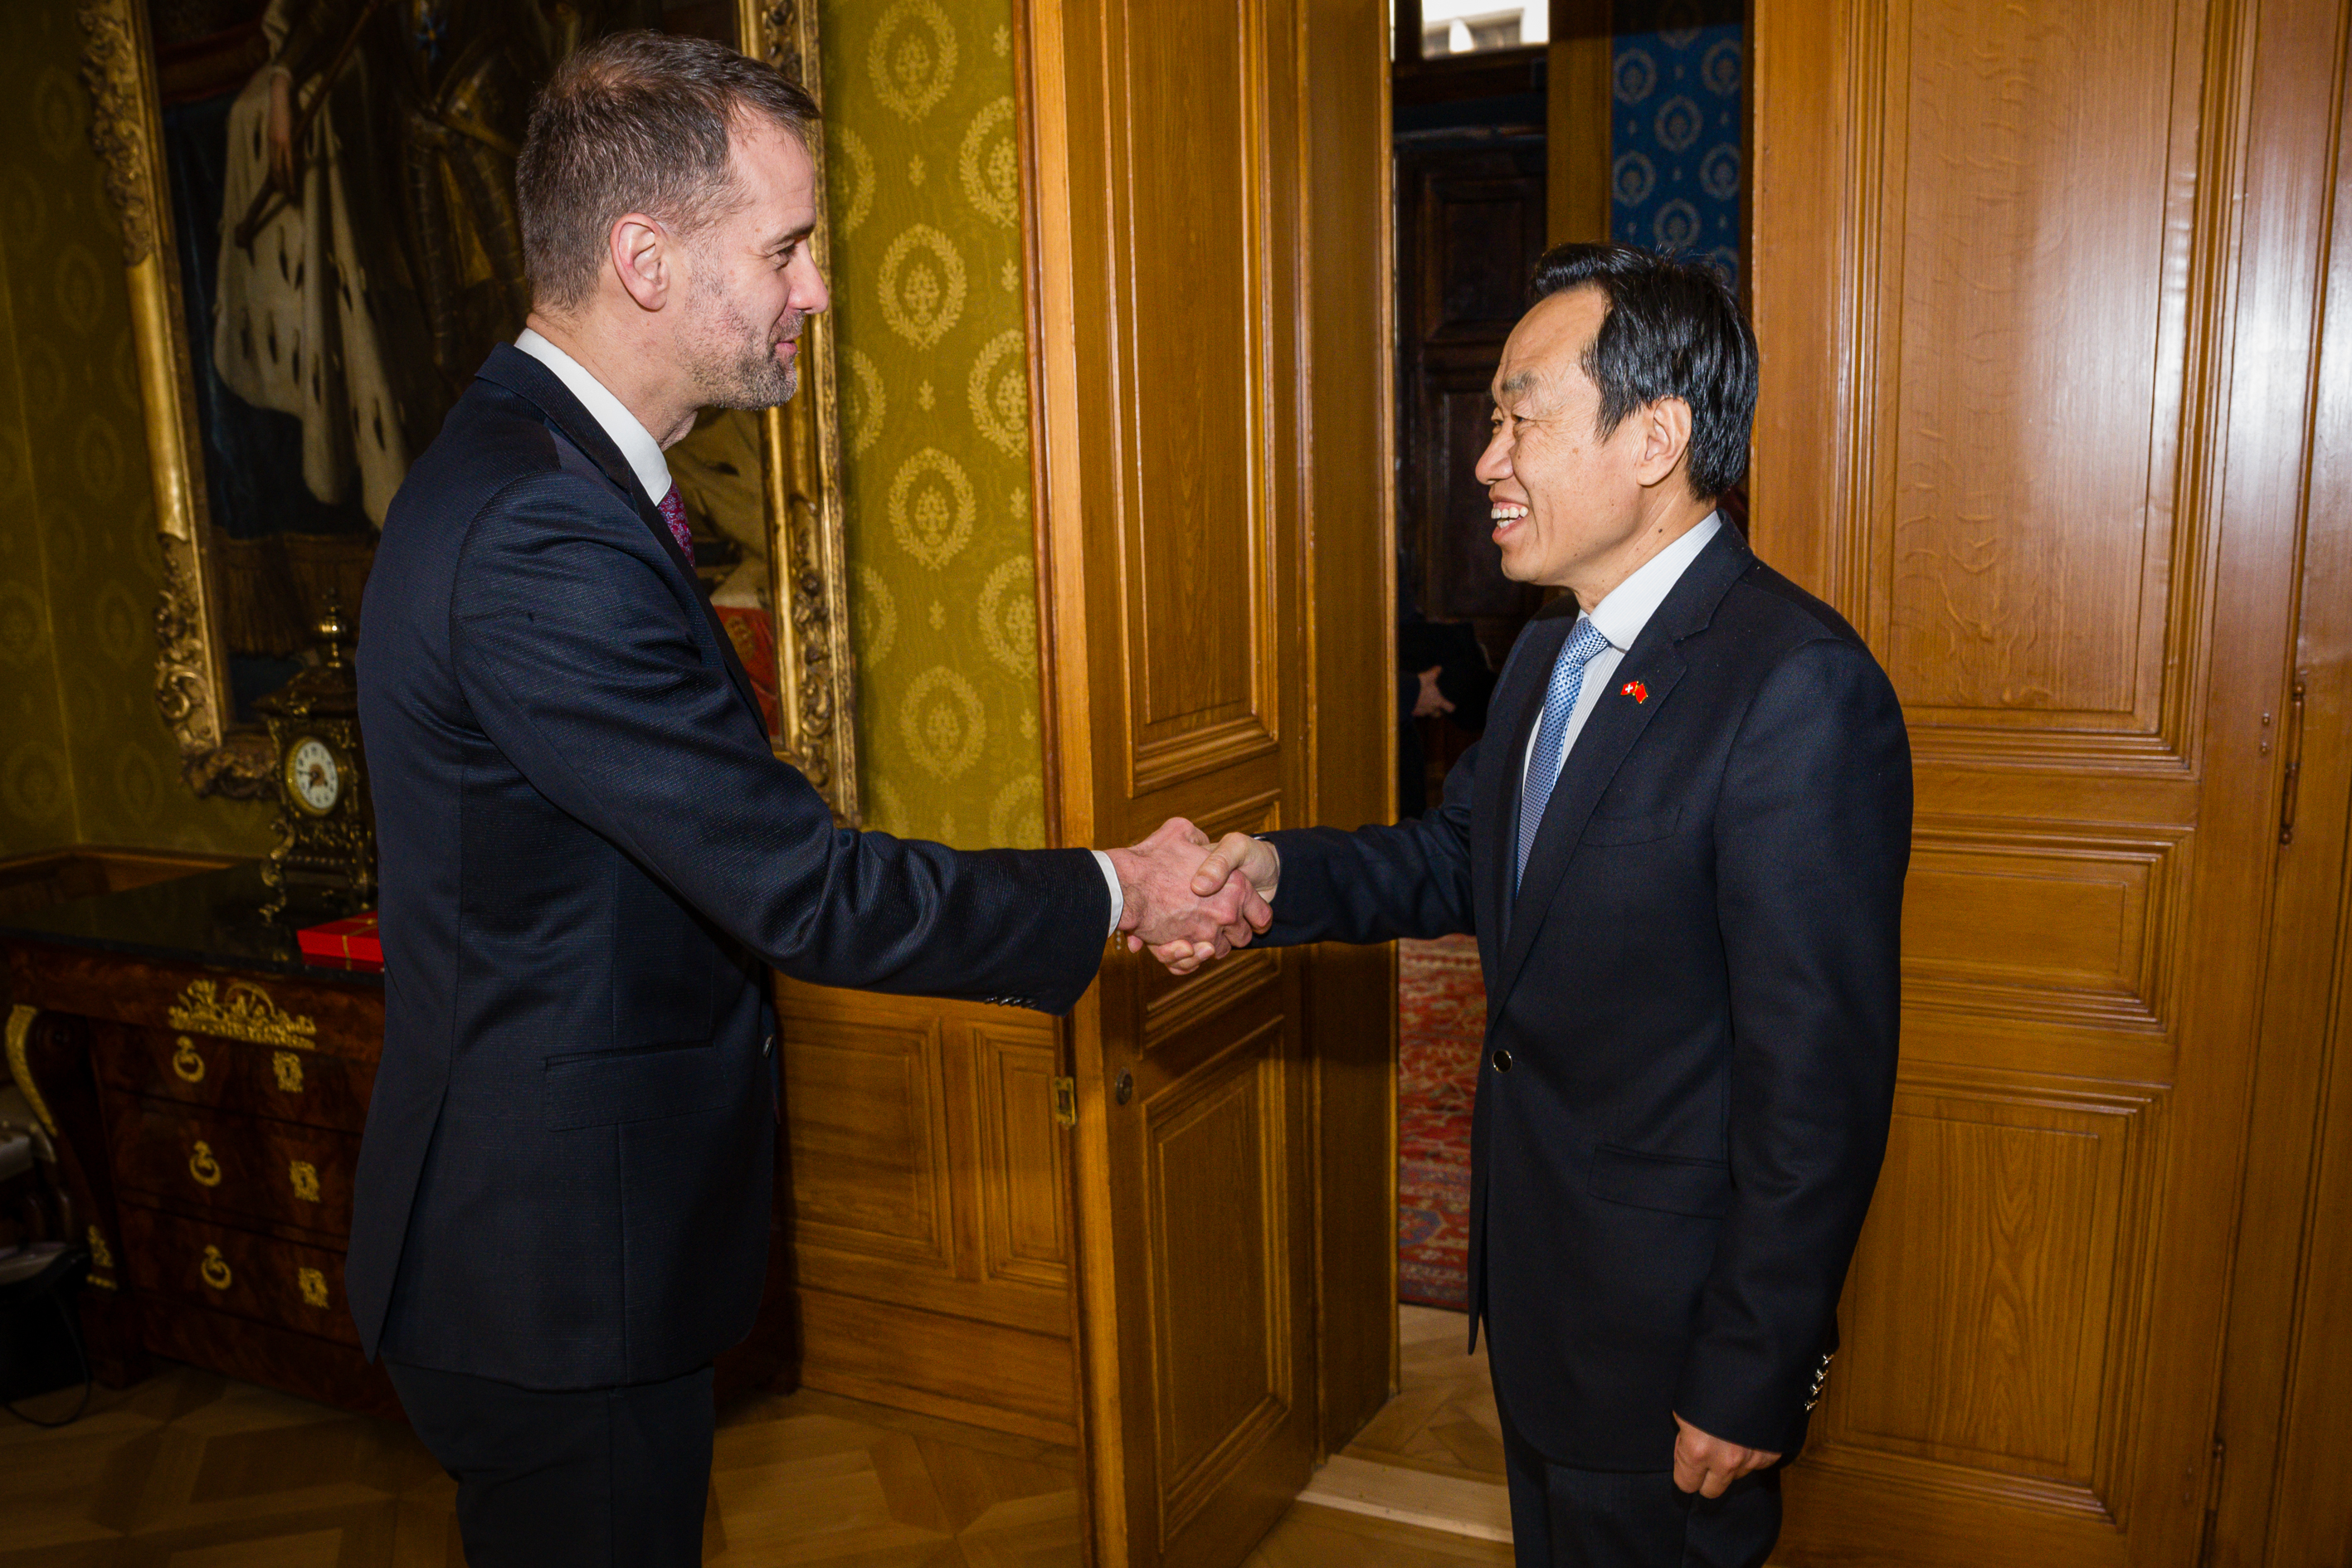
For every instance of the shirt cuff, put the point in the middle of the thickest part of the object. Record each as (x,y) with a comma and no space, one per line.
(1110,877)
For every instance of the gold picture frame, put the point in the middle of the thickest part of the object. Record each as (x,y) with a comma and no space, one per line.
(813,663)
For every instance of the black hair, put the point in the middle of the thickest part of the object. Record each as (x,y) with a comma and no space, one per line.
(1673,330)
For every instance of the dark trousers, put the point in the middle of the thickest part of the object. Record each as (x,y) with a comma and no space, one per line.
(1562,1518)
(590,1477)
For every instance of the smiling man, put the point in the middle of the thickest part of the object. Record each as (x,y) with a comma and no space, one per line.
(1681,845)
(589,855)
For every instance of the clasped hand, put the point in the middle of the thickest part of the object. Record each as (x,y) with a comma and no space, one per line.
(1189,899)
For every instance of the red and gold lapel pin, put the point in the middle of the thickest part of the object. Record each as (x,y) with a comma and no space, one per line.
(1635,689)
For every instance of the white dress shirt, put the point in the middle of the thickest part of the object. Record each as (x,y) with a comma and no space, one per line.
(646,461)
(1620,617)
(612,415)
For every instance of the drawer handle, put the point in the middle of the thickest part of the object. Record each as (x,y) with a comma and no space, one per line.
(203,1166)
(289,1073)
(186,1063)
(215,1269)
(305,1177)
(314,1286)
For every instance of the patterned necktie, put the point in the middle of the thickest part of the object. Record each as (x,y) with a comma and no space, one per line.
(1560,702)
(673,512)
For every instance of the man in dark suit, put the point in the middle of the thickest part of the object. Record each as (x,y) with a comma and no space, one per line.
(589,855)
(1681,845)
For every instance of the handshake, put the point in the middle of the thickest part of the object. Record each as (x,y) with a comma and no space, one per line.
(1189,900)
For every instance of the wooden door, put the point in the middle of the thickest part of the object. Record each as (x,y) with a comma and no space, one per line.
(2035,294)
(2286,1405)
(1209,244)
(1470,227)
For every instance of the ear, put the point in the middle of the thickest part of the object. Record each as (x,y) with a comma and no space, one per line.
(1666,428)
(645,258)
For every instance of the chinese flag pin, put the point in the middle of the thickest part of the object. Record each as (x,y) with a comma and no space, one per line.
(1635,689)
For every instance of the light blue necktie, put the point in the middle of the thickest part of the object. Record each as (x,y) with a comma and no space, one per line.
(1560,702)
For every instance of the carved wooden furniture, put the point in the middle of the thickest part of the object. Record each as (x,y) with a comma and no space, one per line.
(207,1089)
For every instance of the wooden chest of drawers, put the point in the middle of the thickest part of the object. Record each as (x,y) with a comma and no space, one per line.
(212,1118)
(207,1089)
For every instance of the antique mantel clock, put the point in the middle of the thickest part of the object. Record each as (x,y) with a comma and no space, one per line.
(326,823)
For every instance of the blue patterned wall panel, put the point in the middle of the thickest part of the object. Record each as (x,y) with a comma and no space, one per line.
(1675,169)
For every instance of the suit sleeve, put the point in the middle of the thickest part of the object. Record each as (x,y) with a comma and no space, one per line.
(1813,835)
(1379,883)
(576,649)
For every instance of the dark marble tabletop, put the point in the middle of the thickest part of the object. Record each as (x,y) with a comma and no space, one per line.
(211,918)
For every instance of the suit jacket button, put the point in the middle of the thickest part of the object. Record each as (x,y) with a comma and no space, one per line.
(1502,1061)
(768,1046)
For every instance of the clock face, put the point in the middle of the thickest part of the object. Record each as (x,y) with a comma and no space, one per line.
(313,777)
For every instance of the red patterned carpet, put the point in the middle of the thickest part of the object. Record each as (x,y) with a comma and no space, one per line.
(1442,1001)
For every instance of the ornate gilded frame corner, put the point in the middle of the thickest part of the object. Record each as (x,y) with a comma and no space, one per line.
(808,586)
(191,665)
(808,563)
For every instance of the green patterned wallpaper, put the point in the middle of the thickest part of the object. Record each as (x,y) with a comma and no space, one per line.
(924,185)
(83,756)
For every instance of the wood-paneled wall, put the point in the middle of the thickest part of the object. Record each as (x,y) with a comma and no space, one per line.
(2037,290)
(930,1192)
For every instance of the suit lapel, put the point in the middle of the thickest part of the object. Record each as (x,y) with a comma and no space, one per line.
(1511,714)
(520,374)
(1616,723)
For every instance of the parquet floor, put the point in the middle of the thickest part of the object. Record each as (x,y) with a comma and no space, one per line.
(1442,1419)
(194,1470)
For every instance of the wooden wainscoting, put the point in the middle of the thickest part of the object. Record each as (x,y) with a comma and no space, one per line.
(930,1222)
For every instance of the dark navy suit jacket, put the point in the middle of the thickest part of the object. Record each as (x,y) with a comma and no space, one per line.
(1695,989)
(588,855)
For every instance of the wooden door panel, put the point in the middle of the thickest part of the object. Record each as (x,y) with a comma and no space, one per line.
(1024,1169)
(865,1109)
(1996,297)
(2004,1260)
(927,1185)
(1476,235)
(2028,567)
(2043,927)
(2030,539)
(1197,535)
(1472,220)
(1220,1280)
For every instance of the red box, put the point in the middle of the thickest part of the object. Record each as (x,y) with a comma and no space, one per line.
(354,938)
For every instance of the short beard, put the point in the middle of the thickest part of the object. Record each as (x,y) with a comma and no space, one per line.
(735,360)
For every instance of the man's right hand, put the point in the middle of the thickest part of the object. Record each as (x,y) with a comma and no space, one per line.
(1164,908)
(1239,860)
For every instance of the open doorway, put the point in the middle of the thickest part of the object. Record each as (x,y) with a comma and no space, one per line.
(1476,129)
